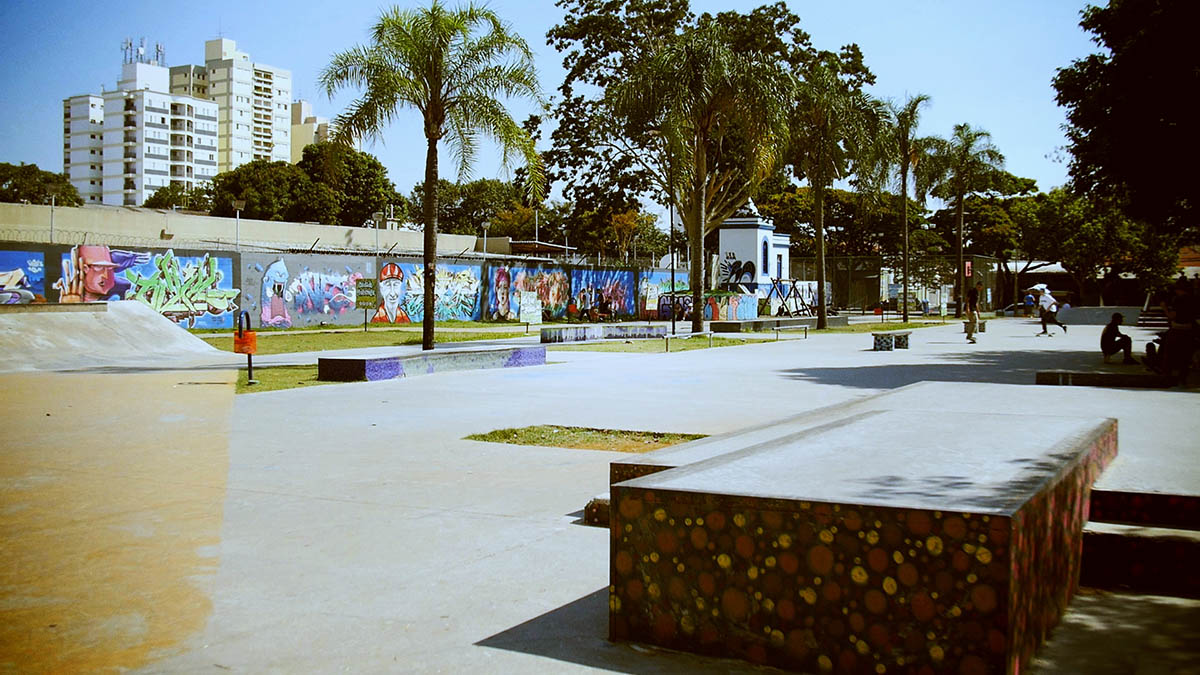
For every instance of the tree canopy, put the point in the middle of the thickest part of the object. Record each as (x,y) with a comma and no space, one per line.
(1129,132)
(26,182)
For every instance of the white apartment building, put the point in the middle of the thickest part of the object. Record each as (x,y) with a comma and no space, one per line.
(306,129)
(253,102)
(122,146)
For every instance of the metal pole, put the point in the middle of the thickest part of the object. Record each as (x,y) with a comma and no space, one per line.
(237,232)
(52,197)
(671,216)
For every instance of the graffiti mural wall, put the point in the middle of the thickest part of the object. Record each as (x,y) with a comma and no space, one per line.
(303,290)
(402,292)
(506,283)
(592,287)
(652,286)
(193,291)
(731,308)
(22,277)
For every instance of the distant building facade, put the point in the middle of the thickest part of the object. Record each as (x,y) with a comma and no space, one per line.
(306,129)
(121,146)
(253,103)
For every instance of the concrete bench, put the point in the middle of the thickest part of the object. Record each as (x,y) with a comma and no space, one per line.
(1100,379)
(387,368)
(981,328)
(557,334)
(840,547)
(886,341)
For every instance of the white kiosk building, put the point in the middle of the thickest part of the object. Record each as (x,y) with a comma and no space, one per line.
(752,254)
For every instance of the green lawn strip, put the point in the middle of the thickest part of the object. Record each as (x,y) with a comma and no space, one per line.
(650,346)
(314,342)
(275,378)
(350,327)
(583,438)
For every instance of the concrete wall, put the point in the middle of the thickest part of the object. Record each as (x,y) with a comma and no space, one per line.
(1096,316)
(31,222)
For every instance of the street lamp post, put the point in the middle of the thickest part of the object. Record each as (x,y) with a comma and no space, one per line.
(238,205)
(53,196)
(377,219)
(485,225)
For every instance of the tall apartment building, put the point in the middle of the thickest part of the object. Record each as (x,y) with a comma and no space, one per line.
(123,145)
(253,102)
(306,129)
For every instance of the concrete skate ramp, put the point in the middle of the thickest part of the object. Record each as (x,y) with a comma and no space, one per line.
(126,333)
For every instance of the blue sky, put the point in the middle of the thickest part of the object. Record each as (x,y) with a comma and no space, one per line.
(985,63)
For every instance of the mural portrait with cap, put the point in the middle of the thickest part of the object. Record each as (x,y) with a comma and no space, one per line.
(391,294)
(501,285)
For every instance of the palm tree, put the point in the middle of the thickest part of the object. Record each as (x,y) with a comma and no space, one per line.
(965,164)
(718,116)
(453,66)
(910,152)
(835,128)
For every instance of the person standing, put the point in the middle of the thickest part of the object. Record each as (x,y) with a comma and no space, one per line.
(1029,304)
(973,310)
(1049,307)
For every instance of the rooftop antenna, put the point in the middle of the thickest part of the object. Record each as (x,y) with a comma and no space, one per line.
(127,50)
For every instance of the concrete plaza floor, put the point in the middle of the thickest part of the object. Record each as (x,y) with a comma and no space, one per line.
(154,521)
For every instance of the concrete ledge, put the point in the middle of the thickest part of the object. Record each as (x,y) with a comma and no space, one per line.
(763,324)
(55,308)
(386,368)
(555,334)
(1080,378)
(792,552)
(1098,316)
(1150,509)
(1157,561)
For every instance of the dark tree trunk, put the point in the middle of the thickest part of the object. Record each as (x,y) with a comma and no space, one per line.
(904,216)
(430,250)
(697,269)
(819,212)
(960,280)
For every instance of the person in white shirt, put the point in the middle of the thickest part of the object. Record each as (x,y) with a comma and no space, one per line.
(1049,308)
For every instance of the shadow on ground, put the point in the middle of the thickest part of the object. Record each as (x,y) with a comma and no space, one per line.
(577,633)
(1000,367)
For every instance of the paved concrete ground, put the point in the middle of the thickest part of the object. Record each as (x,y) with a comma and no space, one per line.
(358,531)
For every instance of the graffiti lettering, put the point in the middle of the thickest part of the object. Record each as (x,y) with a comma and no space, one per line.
(182,292)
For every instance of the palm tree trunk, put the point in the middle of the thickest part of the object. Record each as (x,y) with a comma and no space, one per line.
(430,248)
(696,273)
(904,216)
(960,282)
(819,211)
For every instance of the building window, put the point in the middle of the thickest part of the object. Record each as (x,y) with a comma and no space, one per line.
(766,259)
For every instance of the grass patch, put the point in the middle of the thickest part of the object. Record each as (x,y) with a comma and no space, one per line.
(276,378)
(651,346)
(494,325)
(314,342)
(583,438)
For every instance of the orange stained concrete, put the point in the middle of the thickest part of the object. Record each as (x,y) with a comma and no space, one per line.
(111,495)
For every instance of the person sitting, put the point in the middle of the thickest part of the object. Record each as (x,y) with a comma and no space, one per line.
(1112,340)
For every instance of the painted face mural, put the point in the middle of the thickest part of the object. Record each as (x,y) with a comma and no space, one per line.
(90,273)
(391,293)
(274,306)
(501,285)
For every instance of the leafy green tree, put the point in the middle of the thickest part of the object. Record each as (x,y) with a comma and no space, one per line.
(909,152)
(28,183)
(357,180)
(194,198)
(835,127)
(719,115)
(453,66)
(965,164)
(273,191)
(1128,130)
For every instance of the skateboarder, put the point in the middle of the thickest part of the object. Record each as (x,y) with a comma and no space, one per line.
(1049,307)
(973,310)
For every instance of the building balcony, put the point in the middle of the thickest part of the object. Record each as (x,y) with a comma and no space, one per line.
(130,138)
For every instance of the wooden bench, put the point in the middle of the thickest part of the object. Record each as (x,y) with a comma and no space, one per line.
(792,551)
(886,341)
